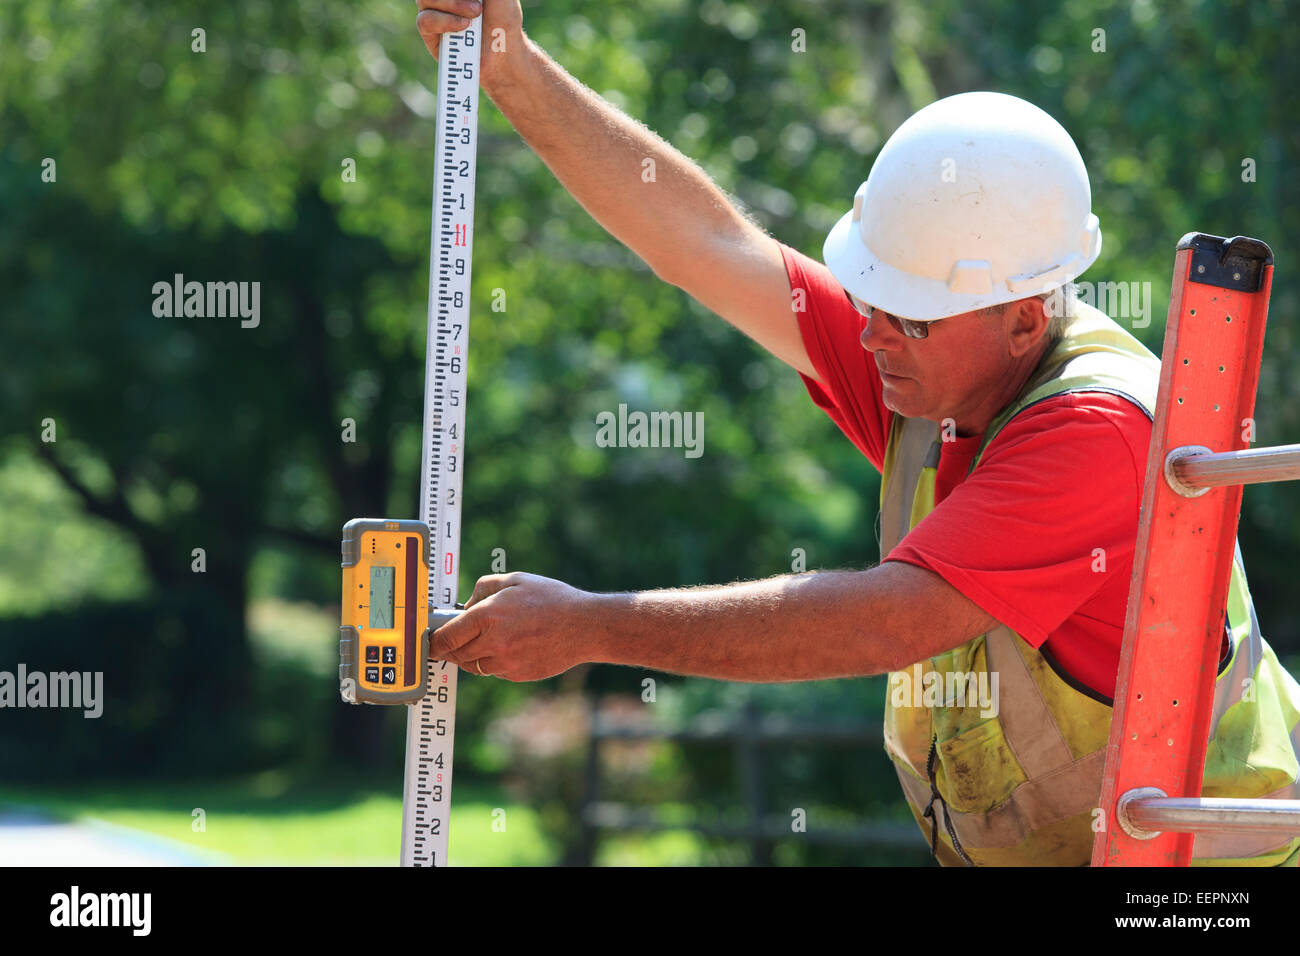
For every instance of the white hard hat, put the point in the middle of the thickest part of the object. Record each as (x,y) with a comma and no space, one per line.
(976,200)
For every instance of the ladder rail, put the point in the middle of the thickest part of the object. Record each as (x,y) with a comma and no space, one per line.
(1164,695)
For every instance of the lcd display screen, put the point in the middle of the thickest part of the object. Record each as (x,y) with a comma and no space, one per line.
(381,597)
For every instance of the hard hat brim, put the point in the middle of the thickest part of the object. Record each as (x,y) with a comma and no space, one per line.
(908,296)
(886,288)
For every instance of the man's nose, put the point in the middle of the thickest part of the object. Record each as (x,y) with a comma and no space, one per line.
(879,333)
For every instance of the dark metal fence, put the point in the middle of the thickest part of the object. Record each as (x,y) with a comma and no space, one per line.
(749,733)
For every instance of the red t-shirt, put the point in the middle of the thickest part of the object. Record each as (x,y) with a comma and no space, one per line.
(1018,536)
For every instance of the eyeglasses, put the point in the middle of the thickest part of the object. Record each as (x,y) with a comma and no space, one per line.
(908,327)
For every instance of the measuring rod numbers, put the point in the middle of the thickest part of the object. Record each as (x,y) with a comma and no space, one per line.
(400,576)
(431,723)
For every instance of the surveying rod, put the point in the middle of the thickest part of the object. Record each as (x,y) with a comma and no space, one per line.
(400,576)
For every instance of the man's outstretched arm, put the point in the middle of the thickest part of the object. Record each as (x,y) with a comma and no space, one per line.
(794,627)
(679,222)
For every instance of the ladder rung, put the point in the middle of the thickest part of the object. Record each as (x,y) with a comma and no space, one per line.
(1196,469)
(1152,815)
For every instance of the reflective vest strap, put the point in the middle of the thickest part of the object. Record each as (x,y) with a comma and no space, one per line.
(923,499)
(1097,356)
(910,446)
(1027,722)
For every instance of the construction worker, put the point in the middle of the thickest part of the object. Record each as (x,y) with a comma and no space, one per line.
(1010,424)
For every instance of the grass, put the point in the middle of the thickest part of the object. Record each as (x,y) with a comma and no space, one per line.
(272,819)
(670,848)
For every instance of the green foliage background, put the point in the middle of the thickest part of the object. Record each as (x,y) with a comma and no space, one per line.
(225,165)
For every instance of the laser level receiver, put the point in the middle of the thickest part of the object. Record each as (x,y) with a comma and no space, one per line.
(386,620)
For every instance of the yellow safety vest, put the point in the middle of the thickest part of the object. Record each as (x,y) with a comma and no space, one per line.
(1021,787)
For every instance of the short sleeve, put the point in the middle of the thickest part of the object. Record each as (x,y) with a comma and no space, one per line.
(1047,519)
(848,384)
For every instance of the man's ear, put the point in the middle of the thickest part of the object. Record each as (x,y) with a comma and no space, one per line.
(1027,324)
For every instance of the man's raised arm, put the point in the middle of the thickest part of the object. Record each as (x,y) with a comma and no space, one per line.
(680,222)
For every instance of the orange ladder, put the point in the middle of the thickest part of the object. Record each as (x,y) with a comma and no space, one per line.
(1198,461)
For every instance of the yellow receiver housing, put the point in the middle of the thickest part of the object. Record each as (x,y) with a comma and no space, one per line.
(384,633)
